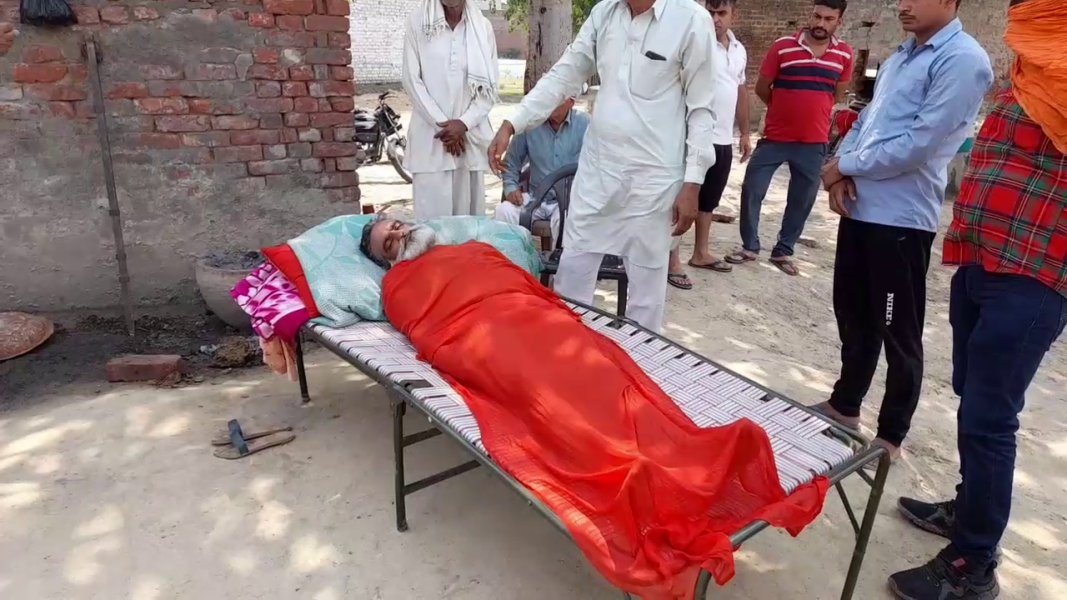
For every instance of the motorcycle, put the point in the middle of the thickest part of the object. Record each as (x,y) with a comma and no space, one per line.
(380,131)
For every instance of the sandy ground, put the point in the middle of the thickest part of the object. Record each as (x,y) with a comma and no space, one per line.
(110,492)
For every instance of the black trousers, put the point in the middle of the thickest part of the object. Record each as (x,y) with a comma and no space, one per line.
(880,299)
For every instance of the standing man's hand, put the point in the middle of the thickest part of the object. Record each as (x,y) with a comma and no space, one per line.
(515,198)
(7,37)
(685,208)
(746,148)
(499,146)
(456,147)
(451,131)
(841,193)
(831,173)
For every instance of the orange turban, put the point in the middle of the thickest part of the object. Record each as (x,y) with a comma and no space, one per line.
(1037,33)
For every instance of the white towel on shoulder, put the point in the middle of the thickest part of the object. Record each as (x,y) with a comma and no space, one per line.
(481,77)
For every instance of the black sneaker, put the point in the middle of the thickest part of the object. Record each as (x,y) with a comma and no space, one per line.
(936,517)
(948,576)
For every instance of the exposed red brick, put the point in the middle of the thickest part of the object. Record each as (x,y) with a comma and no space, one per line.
(59,92)
(290,136)
(183,123)
(329,165)
(297,120)
(322,89)
(330,119)
(274,152)
(269,105)
(144,13)
(294,88)
(291,56)
(343,103)
(128,90)
(347,163)
(339,179)
(290,22)
(234,14)
(289,7)
(114,15)
(339,40)
(62,109)
(268,89)
(324,105)
(140,367)
(300,150)
(262,71)
(271,121)
(237,153)
(85,110)
(272,167)
(291,39)
(161,72)
(302,73)
(160,141)
(266,55)
(210,72)
(344,134)
(87,15)
(206,139)
(39,53)
(77,73)
(262,20)
(311,165)
(326,23)
(49,73)
(337,7)
(349,195)
(206,106)
(254,136)
(235,122)
(305,105)
(162,106)
(333,149)
(322,39)
(341,73)
(327,134)
(328,56)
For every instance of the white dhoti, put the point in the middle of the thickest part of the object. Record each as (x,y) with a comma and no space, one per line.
(509,213)
(452,193)
(646,293)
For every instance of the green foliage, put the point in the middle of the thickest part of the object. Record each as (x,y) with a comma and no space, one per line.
(517,11)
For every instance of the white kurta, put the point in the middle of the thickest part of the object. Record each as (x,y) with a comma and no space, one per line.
(649,113)
(435,78)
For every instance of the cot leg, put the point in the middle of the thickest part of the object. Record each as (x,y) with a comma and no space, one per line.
(864,535)
(300,372)
(399,408)
(624,284)
(703,581)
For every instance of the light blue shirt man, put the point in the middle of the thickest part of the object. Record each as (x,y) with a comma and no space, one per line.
(545,149)
(925,104)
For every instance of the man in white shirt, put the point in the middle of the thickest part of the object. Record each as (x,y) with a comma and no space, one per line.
(450,73)
(731,100)
(648,147)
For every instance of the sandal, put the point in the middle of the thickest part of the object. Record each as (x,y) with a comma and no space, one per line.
(786,266)
(680,281)
(240,447)
(222,438)
(717,218)
(740,257)
(719,266)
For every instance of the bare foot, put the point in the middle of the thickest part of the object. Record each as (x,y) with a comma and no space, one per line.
(894,451)
(826,409)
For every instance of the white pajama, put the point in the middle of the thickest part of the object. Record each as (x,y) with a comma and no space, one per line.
(509,213)
(457,192)
(646,293)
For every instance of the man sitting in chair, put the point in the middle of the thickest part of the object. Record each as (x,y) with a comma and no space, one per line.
(556,143)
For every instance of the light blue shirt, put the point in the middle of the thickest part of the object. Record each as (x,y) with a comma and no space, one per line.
(546,150)
(925,103)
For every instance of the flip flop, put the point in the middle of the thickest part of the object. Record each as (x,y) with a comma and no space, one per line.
(240,447)
(680,281)
(717,218)
(222,438)
(719,266)
(740,257)
(786,266)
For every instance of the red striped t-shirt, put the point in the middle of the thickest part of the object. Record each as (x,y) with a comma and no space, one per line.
(802,99)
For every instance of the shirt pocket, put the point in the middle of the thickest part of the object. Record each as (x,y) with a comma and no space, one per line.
(649,78)
(904,99)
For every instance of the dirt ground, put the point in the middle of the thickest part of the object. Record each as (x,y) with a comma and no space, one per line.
(111,492)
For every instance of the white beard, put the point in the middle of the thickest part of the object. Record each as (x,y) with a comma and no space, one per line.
(419,240)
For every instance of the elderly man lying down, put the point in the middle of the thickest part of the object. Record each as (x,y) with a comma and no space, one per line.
(648,496)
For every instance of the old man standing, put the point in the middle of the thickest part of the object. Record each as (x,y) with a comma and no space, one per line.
(450,73)
(635,176)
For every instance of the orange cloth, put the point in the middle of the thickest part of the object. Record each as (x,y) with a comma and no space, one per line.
(648,496)
(1037,33)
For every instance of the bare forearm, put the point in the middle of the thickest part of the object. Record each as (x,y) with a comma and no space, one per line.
(743,115)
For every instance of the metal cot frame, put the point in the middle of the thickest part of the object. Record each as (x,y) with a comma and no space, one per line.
(401,397)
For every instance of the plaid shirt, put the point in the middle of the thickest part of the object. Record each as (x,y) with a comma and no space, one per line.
(1011,215)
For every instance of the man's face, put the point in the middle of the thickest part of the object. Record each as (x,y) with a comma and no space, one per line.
(562,111)
(919,15)
(723,17)
(824,22)
(392,241)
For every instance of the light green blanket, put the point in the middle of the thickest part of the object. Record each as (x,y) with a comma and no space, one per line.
(347,286)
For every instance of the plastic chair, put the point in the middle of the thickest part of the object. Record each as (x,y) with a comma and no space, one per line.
(561,180)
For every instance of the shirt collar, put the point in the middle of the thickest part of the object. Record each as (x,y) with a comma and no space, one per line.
(940,38)
(800,38)
(658,7)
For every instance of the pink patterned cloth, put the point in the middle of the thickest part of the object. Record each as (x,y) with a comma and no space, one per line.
(273,303)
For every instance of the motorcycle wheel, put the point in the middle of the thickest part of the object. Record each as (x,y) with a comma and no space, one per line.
(395,148)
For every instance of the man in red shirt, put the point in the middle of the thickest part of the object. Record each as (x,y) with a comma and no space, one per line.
(801,79)
(1008,305)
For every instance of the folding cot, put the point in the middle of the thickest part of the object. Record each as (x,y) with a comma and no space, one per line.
(805,443)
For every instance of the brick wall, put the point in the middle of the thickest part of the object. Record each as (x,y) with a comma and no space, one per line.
(377,31)
(763,21)
(230,128)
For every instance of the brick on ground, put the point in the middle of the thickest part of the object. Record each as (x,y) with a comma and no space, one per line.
(143,367)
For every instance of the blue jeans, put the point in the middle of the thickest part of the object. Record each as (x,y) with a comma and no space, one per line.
(1002,326)
(805,167)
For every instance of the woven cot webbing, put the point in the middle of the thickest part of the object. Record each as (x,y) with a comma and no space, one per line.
(710,396)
